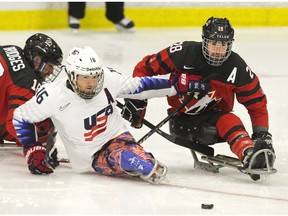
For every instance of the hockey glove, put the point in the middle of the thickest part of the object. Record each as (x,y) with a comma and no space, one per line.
(36,159)
(264,137)
(134,111)
(185,83)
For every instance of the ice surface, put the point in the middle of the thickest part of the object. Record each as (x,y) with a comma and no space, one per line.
(185,189)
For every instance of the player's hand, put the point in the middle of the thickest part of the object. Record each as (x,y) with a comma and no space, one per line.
(134,111)
(263,136)
(185,83)
(36,160)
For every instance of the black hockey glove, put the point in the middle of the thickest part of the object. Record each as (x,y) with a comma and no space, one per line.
(134,111)
(264,137)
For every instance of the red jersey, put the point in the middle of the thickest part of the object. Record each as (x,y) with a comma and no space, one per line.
(234,78)
(18,83)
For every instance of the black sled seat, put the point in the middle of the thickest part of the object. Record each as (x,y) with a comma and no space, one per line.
(203,149)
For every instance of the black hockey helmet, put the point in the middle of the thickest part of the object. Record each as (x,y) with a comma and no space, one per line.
(44,46)
(217,30)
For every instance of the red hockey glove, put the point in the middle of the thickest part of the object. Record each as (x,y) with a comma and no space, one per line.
(185,83)
(134,111)
(36,160)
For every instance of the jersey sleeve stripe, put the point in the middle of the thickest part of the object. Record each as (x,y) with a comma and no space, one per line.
(253,101)
(13,97)
(147,64)
(13,106)
(149,84)
(163,64)
(248,93)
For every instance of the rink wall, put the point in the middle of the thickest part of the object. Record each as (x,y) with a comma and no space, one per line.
(53,15)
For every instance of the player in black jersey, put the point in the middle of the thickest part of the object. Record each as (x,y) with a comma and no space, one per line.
(208,117)
(22,71)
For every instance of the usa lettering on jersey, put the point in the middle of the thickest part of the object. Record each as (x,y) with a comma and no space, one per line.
(96,123)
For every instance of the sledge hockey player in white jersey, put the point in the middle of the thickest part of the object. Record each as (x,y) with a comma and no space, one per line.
(83,109)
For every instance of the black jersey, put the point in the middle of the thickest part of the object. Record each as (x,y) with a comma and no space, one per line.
(234,78)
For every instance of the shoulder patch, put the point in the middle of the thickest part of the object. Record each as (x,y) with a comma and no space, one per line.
(232,76)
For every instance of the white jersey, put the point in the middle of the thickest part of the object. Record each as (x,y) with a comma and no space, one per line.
(85,126)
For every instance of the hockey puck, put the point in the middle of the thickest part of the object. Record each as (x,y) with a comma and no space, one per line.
(207,206)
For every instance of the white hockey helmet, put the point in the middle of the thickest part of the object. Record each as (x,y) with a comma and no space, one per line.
(85,62)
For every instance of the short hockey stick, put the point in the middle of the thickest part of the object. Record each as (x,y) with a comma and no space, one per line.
(185,102)
(185,143)
(160,124)
(50,147)
(181,142)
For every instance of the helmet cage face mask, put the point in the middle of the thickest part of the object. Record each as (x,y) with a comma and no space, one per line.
(48,78)
(216,58)
(84,62)
(87,95)
(217,35)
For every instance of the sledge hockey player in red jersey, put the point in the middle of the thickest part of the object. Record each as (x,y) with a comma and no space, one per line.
(208,118)
(21,72)
(83,109)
